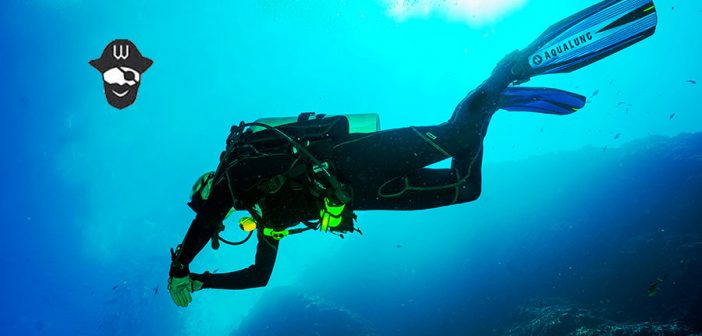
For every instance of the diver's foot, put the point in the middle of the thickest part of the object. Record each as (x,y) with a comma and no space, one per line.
(512,68)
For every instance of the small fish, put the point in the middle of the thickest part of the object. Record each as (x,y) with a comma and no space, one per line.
(215,271)
(672,116)
(155,290)
(617,136)
(115,287)
(655,286)
(399,246)
(604,149)
(691,81)
(594,94)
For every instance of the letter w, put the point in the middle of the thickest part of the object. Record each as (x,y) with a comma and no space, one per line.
(123,54)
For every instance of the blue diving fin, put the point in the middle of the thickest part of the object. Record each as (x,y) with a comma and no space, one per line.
(542,100)
(590,35)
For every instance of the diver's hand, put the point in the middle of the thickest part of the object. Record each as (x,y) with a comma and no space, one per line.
(180,289)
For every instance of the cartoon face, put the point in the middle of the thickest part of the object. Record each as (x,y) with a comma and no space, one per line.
(121,85)
(122,67)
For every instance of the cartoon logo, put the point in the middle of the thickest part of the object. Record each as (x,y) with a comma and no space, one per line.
(121,66)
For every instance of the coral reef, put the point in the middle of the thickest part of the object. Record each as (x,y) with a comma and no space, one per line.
(561,318)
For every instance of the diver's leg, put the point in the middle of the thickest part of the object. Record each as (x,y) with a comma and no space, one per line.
(483,102)
(422,189)
(386,169)
(362,158)
(397,152)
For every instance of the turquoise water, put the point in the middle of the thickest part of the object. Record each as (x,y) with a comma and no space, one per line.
(96,196)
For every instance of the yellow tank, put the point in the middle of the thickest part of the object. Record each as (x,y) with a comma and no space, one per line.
(247,224)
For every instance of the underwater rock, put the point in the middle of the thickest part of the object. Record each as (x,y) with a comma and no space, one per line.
(283,311)
(636,329)
(553,318)
(561,318)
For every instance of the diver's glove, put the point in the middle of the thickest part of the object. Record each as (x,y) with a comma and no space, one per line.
(180,289)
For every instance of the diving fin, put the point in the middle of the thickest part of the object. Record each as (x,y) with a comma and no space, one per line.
(590,35)
(541,100)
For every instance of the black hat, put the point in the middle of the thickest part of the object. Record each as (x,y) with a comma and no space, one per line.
(121,53)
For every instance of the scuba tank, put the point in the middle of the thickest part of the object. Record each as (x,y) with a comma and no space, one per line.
(358,123)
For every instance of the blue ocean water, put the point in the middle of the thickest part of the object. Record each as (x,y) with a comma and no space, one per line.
(579,214)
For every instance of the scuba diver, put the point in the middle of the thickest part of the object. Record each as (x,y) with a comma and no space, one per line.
(317,171)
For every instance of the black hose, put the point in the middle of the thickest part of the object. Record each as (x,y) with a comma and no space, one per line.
(236,243)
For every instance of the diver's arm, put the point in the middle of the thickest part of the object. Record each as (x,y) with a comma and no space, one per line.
(213,212)
(256,275)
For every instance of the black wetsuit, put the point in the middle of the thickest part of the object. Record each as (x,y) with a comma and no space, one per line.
(386,171)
